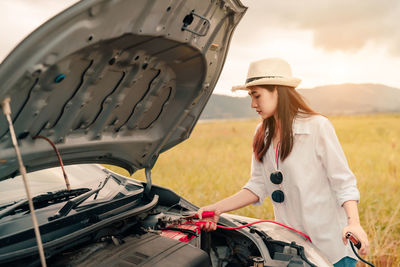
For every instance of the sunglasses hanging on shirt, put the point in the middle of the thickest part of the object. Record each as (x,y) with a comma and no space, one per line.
(277,178)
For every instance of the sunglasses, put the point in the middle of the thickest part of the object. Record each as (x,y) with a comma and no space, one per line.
(278,195)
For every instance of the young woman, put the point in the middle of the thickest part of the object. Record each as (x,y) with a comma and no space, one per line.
(297,162)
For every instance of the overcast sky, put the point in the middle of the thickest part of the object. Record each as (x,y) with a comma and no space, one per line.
(326,42)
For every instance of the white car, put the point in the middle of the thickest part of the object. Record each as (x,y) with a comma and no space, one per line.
(119,82)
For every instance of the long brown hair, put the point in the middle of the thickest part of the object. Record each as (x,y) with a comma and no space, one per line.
(290,103)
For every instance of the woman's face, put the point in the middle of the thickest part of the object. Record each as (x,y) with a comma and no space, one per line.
(264,101)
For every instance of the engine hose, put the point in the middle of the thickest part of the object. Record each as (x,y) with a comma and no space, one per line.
(358,256)
(261,221)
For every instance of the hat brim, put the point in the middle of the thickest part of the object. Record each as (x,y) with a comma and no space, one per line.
(291,82)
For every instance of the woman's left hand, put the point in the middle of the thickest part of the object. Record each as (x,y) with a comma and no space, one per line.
(360,234)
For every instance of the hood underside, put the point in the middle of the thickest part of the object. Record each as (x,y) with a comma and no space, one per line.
(114,82)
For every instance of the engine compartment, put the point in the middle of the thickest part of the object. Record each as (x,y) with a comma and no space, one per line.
(125,225)
(161,237)
(142,243)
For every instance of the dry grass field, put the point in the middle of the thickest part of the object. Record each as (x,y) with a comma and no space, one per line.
(215,162)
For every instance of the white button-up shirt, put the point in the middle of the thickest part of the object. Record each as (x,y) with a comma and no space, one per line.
(316,182)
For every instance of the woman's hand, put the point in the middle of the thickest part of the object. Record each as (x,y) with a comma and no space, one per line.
(239,200)
(354,226)
(360,234)
(211,222)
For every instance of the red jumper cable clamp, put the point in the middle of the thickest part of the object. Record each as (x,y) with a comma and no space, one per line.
(354,242)
(184,229)
(353,239)
(194,215)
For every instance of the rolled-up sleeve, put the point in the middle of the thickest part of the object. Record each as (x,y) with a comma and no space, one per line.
(341,178)
(256,183)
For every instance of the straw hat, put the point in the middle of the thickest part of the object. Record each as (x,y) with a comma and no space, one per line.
(269,71)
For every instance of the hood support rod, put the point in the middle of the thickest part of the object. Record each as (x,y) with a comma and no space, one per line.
(5,105)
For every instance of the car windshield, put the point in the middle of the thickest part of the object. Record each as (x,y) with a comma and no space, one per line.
(51,180)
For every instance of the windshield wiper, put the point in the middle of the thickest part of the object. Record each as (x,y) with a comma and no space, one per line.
(71,204)
(43,200)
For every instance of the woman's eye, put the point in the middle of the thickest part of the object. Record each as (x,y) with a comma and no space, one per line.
(257,97)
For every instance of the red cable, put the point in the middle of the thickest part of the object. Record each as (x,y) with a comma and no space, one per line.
(59,159)
(261,221)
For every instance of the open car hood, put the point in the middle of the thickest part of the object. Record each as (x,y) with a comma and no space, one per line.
(114,82)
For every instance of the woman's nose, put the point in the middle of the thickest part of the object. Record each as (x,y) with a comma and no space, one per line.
(253,104)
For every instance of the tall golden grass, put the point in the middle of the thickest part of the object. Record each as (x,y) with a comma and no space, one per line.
(215,162)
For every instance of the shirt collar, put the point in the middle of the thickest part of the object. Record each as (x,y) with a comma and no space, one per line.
(300,126)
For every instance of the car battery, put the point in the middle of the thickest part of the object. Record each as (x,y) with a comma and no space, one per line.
(186,232)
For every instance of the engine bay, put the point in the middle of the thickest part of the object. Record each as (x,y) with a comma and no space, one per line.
(158,241)
(119,223)
(162,237)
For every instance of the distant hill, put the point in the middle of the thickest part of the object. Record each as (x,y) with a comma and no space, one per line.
(341,99)
(228,107)
(353,98)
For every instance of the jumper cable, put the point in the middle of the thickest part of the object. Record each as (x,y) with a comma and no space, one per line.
(354,242)
(260,221)
(207,214)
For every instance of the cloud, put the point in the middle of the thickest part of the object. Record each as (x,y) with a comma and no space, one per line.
(20,17)
(346,25)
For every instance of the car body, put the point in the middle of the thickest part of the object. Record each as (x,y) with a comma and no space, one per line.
(119,82)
